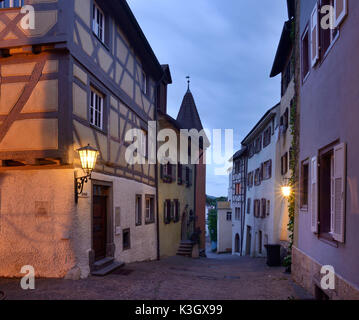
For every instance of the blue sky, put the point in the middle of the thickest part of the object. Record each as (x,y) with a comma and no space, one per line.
(228,48)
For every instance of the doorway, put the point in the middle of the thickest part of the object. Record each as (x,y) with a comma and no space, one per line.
(248,241)
(102,237)
(236,243)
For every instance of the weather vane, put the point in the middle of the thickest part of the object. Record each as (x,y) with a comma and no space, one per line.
(188,80)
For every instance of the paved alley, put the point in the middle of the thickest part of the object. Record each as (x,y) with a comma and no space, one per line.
(217,277)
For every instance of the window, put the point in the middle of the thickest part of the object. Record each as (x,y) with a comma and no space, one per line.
(267,137)
(327,36)
(304,185)
(229,216)
(305,54)
(257,180)
(258,144)
(263,207)
(168,172)
(167,211)
(250,179)
(150,209)
(284,164)
(260,242)
(257,207)
(98,22)
(138,210)
(96,109)
(177,210)
(188,177)
(251,150)
(237,189)
(268,208)
(237,166)
(328,181)
(249,205)
(237,213)
(179,174)
(11,4)
(267,170)
(126,239)
(144,83)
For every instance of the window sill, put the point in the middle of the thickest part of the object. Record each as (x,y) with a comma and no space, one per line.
(125,249)
(138,224)
(103,43)
(328,239)
(97,128)
(150,222)
(304,208)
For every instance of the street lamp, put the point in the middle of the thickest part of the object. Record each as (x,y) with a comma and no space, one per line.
(88,157)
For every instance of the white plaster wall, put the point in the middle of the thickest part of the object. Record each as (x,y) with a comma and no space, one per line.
(143,238)
(224,231)
(268,189)
(37,219)
(41,226)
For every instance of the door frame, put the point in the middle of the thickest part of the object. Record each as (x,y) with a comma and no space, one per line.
(110,245)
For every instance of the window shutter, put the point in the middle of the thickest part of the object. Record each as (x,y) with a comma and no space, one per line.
(172,203)
(341,11)
(174,172)
(314,35)
(339,175)
(314,192)
(165,211)
(161,171)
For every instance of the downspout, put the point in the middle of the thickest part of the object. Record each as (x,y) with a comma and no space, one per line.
(156,171)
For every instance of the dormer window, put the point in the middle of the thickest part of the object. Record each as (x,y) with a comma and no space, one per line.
(11,4)
(98,22)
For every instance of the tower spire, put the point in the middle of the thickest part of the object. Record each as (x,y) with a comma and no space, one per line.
(188,82)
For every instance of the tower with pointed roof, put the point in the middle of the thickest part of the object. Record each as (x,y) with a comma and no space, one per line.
(188,117)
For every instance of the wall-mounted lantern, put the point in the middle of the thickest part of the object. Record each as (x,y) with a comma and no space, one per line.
(286,191)
(88,157)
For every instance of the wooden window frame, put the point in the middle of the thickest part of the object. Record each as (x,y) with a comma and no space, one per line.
(305,65)
(96,27)
(96,113)
(304,206)
(138,207)
(151,209)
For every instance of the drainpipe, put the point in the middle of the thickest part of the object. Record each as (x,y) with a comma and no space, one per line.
(156,171)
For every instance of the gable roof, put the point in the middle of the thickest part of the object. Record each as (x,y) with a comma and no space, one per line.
(269,115)
(283,50)
(188,116)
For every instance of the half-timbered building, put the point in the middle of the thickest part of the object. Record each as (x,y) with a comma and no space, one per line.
(85,74)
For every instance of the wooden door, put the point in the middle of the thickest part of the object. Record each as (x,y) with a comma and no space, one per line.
(248,241)
(99,229)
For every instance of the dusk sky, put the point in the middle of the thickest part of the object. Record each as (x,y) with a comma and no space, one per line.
(228,48)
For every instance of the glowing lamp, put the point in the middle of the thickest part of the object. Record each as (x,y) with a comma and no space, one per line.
(88,157)
(286,191)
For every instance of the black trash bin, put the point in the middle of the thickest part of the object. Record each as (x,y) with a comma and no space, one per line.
(273,255)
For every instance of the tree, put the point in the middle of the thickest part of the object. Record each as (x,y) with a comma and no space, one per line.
(212,224)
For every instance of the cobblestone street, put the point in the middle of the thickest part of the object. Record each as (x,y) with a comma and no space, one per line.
(176,278)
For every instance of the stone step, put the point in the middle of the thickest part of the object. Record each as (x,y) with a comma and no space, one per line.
(100,264)
(180,253)
(108,269)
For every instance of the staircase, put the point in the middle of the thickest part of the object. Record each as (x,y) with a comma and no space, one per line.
(105,266)
(185,248)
